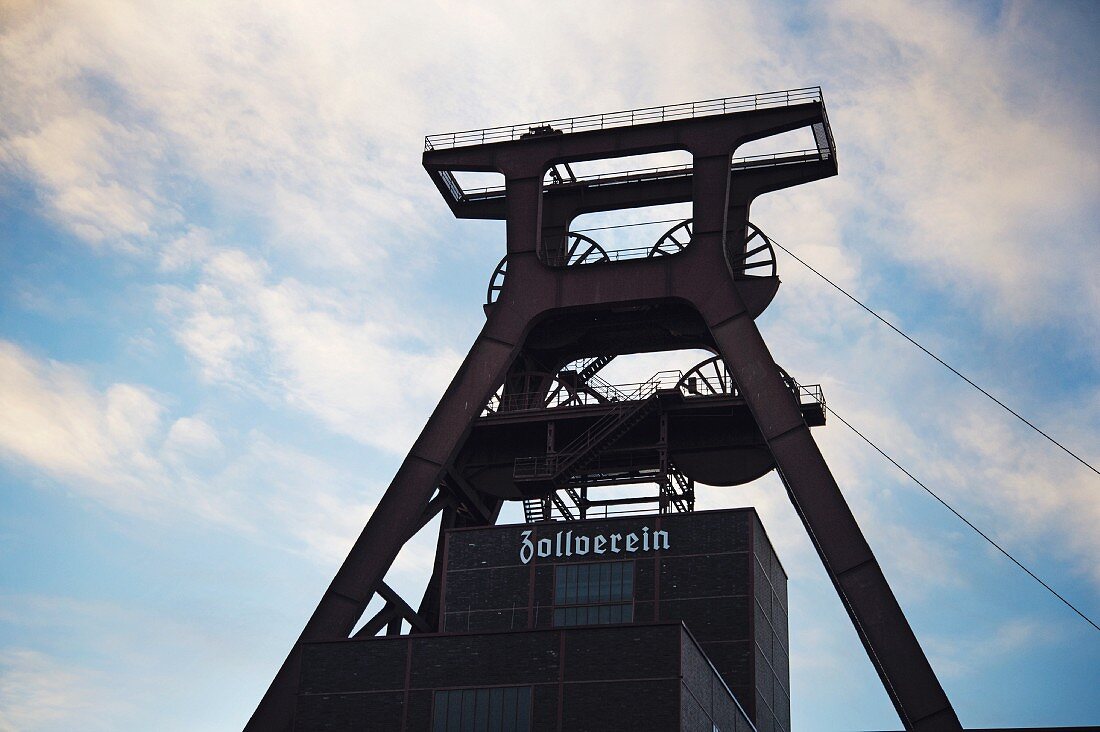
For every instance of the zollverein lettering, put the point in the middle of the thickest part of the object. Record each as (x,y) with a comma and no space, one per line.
(565,544)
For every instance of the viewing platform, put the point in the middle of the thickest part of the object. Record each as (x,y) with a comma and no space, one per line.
(453,152)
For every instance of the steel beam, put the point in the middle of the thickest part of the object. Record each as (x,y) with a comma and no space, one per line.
(398,512)
(851,565)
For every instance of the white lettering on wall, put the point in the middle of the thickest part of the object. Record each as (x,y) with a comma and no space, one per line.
(526,548)
(566,544)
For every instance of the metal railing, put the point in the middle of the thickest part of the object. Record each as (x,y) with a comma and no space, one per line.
(746,162)
(597,391)
(625,118)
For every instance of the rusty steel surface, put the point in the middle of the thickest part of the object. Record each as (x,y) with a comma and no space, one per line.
(545,314)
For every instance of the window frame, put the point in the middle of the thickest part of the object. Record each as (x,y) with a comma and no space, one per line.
(603,597)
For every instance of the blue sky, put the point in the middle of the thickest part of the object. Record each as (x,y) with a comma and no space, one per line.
(212,214)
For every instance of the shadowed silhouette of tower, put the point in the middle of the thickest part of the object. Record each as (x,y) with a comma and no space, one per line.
(528,418)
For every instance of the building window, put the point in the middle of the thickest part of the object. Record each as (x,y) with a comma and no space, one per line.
(500,709)
(593,594)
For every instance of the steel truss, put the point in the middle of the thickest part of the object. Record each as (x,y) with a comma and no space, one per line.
(545,313)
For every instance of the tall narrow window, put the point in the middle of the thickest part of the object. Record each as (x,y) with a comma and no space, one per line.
(594,594)
(499,709)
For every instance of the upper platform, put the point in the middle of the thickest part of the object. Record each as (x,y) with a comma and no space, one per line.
(548,143)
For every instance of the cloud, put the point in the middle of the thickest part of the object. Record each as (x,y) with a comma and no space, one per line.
(117,446)
(976,654)
(985,185)
(39,692)
(334,354)
(96,440)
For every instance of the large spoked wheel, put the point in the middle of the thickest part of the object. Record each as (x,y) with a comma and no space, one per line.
(712,378)
(708,378)
(756,258)
(581,249)
(496,282)
(672,241)
(578,249)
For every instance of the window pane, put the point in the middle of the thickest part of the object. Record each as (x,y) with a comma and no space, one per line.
(559,584)
(509,710)
(559,617)
(454,711)
(582,583)
(440,724)
(628,580)
(571,586)
(496,702)
(605,582)
(469,701)
(571,616)
(616,581)
(605,614)
(628,613)
(594,573)
(481,716)
(523,709)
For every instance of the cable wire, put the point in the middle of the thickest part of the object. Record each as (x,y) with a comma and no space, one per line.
(964,519)
(892,327)
(880,451)
(946,365)
(625,226)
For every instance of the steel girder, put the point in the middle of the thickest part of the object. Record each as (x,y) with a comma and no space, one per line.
(699,277)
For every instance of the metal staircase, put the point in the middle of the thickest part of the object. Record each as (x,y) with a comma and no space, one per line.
(551,470)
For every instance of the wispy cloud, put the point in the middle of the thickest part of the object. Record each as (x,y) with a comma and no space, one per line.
(39,692)
(335,354)
(118,447)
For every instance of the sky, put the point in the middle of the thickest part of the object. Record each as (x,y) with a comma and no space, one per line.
(230,296)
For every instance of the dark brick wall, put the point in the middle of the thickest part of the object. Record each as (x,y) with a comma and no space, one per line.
(706,702)
(720,576)
(772,657)
(595,678)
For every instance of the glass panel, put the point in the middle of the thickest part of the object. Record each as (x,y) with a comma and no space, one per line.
(628,613)
(523,709)
(616,581)
(605,614)
(594,574)
(582,583)
(440,720)
(559,585)
(469,701)
(454,711)
(605,582)
(509,717)
(559,617)
(481,716)
(628,580)
(571,585)
(571,616)
(615,613)
(496,702)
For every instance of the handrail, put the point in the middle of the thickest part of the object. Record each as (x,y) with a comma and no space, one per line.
(625,118)
(593,392)
(745,162)
(597,391)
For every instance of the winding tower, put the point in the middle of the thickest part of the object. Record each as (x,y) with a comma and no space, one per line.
(528,418)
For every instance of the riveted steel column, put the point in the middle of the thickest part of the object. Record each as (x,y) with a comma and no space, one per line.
(886,635)
(396,514)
